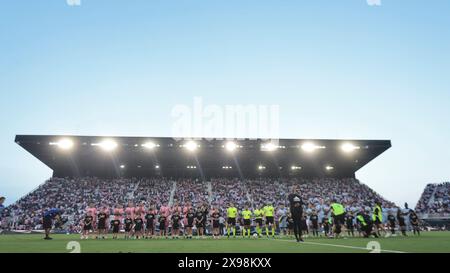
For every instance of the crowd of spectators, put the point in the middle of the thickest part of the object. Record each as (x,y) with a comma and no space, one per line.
(435,199)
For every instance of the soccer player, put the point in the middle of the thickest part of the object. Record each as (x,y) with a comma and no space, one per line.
(128,223)
(150,223)
(326,226)
(162,225)
(258,214)
(247,217)
(47,220)
(92,211)
(101,228)
(401,221)
(140,210)
(414,220)
(216,223)
(176,224)
(115,225)
(366,224)
(297,216)
(138,226)
(88,225)
(314,218)
(269,212)
(199,220)
(190,219)
(349,218)
(377,218)
(204,209)
(232,214)
(391,221)
(338,215)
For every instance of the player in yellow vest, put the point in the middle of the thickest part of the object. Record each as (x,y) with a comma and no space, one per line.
(258,213)
(269,213)
(232,214)
(377,218)
(338,215)
(247,217)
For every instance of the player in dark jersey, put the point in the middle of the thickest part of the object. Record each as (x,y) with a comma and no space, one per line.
(102,217)
(176,224)
(150,223)
(349,224)
(391,221)
(326,226)
(87,226)
(304,225)
(215,219)
(204,209)
(138,227)
(401,221)
(199,220)
(190,221)
(128,226)
(162,226)
(414,220)
(314,218)
(115,225)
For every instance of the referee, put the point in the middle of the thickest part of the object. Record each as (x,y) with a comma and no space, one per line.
(296,205)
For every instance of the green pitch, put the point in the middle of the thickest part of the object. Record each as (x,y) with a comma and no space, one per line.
(428,242)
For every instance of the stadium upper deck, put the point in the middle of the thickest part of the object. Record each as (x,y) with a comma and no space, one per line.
(81,156)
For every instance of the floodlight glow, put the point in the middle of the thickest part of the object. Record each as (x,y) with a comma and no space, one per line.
(65,144)
(122,166)
(329,168)
(231,146)
(310,147)
(349,147)
(269,147)
(157,167)
(261,167)
(149,145)
(294,168)
(107,145)
(191,146)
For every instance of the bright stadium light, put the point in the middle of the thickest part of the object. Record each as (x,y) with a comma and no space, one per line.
(329,168)
(150,145)
(349,147)
(261,167)
(64,144)
(191,146)
(295,168)
(107,145)
(269,147)
(310,147)
(122,166)
(157,167)
(231,146)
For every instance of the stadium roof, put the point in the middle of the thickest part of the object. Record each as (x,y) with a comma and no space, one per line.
(77,156)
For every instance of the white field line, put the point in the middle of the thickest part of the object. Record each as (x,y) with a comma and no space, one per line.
(341,246)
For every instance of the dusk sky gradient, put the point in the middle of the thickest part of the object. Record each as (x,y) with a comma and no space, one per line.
(337,69)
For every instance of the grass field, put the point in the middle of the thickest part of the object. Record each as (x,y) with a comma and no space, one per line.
(428,242)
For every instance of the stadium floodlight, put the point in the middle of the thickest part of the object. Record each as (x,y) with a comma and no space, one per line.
(107,145)
(295,168)
(191,146)
(261,167)
(157,167)
(231,146)
(122,166)
(64,144)
(269,147)
(150,145)
(310,147)
(329,168)
(349,147)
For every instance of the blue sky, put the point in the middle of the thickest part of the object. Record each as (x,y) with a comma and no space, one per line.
(337,69)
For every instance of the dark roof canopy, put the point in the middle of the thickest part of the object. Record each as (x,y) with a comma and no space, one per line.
(170,158)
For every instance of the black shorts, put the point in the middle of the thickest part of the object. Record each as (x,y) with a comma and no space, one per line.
(315,225)
(116,229)
(127,229)
(87,227)
(150,226)
(216,224)
(162,227)
(138,228)
(231,221)
(247,222)
(339,219)
(47,223)
(176,226)
(259,222)
(199,225)
(101,225)
(270,220)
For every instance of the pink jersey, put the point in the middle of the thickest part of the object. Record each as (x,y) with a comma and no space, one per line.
(118,213)
(91,212)
(129,212)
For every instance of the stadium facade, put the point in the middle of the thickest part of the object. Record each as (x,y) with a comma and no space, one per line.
(98,156)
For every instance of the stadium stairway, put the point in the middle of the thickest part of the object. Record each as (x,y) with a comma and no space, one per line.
(172,193)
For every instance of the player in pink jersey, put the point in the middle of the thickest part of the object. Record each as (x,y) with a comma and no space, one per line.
(129,211)
(118,212)
(140,210)
(91,210)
